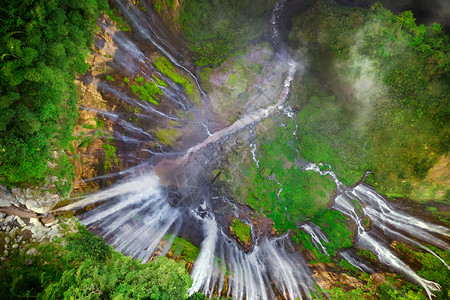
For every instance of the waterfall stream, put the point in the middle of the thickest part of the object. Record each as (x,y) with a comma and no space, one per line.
(387,223)
(139,218)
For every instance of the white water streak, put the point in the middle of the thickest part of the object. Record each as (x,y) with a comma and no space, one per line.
(391,222)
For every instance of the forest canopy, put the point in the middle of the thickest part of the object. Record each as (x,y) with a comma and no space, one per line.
(43,46)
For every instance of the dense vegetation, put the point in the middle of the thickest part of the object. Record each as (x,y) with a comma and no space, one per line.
(386,107)
(43,46)
(217,28)
(303,194)
(88,268)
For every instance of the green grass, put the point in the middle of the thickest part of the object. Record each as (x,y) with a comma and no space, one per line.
(348,266)
(327,135)
(241,230)
(304,193)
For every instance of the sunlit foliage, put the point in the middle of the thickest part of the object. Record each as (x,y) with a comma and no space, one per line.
(88,268)
(43,46)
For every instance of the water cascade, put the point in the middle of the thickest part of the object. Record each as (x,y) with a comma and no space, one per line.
(139,218)
(362,201)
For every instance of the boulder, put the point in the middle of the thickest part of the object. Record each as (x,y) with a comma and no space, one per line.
(20,221)
(6,198)
(8,219)
(32,251)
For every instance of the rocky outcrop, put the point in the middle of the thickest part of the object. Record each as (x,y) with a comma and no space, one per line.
(6,198)
(328,278)
(38,200)
(17,233)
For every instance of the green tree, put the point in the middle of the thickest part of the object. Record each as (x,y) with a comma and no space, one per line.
(43,46)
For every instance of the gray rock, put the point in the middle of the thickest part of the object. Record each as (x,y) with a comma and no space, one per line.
(50,224)
(2,215)
(38,230)
(22,200)
(15,246)
(8,219)
(6,198)
(33,205)
(32,251)
(20,221)
(7,240)
(42,203)
(13,230)
(35,222)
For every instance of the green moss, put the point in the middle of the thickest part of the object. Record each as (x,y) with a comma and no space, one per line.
(114,15)
(216,29)
(360,129)
(110,156)
(367,254)
(147,91)
(159,81)
(109,78)
(304,240)
(167,136)
(241,230)
(333,225)
(183,248)
(166,67)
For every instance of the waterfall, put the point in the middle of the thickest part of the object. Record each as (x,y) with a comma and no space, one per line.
(250,274)
(136,216)
(317,236)
(387,222)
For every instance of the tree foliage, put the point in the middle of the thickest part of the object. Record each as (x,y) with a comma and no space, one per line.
(390,79)
(217,28)
(88,268)
(43,46)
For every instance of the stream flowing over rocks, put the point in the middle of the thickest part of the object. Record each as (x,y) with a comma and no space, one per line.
(155,189)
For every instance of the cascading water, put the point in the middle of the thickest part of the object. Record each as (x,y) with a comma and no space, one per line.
(317,236)
(138,218)
(386,223)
